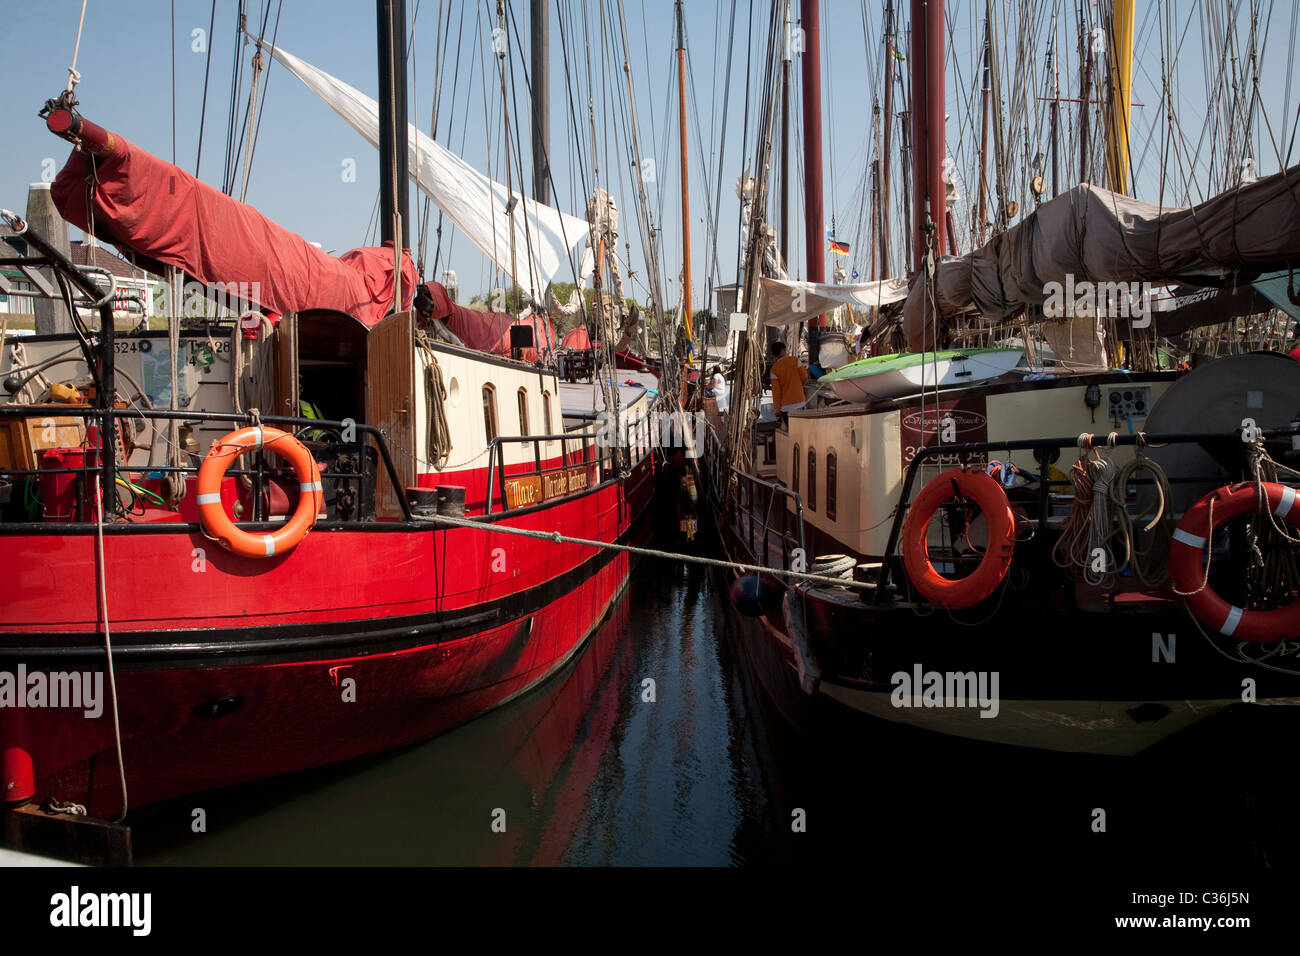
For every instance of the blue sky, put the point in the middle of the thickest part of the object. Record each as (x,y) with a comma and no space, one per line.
(126,55)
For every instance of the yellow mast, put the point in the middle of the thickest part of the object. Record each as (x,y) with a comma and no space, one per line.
(1121,95)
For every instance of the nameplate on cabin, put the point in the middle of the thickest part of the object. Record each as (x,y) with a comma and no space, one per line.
(531,489)
(522,491)
(578,478)
(555,485)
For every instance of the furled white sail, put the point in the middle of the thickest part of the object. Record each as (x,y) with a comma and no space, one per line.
(544,238)
(790,301)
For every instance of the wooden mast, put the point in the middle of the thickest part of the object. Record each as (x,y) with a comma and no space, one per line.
(929,222)
(785,142)
(886,140)
(686,197)
(812,158)
(985,89)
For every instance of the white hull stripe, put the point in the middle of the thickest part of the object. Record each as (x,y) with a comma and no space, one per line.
(1230,625)
(270,545)
(209,499)
(1284,506)
(1195,540)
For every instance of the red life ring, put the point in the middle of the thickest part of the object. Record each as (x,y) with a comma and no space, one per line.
(984,580)
(217,523)
(1187,562)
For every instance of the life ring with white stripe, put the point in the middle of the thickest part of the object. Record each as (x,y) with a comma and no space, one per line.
(998,519)
(218,525)
(1187,562)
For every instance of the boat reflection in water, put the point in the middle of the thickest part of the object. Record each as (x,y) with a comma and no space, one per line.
(589,772)
(588,769)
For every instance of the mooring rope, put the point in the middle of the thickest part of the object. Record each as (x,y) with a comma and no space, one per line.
(558,538)
(102,572)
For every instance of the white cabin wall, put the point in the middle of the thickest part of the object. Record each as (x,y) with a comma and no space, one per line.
(464,410)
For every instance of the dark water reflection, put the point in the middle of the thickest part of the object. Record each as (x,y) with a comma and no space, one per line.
(586,769)
(589,773)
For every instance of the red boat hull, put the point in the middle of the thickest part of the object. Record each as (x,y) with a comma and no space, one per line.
(356,642)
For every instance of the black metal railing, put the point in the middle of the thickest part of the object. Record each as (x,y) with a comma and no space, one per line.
(1040,446)
(259,475)
(497,476)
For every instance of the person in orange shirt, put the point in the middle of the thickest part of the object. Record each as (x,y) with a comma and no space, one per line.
(788,378)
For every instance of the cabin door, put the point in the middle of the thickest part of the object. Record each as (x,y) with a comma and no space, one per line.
(286,366)
(390,404)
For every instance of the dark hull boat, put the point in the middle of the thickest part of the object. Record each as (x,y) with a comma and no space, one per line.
(1071,551)
(1046,657)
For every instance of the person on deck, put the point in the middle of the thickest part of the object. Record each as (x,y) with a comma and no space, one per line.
(718,389)
(788,378)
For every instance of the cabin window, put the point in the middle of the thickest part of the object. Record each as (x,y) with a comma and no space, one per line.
(812,480)
(523,412)
(794,472)
(830,485)
(490,412)
(546,413)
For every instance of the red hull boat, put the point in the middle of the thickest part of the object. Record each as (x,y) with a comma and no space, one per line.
(392,619)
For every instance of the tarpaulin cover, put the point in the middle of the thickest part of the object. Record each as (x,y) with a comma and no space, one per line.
(489,331)
(1096,235)
(577,338)
(145,205)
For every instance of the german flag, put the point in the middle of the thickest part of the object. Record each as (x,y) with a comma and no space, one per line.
(839,248)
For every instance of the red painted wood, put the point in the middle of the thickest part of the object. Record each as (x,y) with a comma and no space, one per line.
(292,714)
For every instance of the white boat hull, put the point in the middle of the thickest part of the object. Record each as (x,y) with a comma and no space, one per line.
(913,379)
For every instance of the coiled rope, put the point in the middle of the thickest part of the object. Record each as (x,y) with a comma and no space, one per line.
(1086,531)
(438,439)
(1160,525)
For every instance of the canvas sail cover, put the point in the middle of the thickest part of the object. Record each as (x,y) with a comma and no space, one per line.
(788,302)
(1092,234)
(544,238)
(490,331)
(147,206)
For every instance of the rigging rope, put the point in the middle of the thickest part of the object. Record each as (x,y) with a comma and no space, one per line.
(73,76)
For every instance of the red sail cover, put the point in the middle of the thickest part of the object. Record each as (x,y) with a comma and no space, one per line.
(490,331)
(143,204)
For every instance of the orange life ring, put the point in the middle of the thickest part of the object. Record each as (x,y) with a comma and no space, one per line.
(311,497)
(984,580)
(1187,562)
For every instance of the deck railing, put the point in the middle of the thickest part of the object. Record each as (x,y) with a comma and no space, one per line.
(258,474)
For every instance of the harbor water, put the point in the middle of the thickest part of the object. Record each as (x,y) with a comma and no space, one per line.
(657,746)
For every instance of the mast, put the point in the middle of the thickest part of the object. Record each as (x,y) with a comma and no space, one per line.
(785,142)
(886,133)
(1121,96)
(1085,96)
(928,214)
(1053,111)
(812,156)
(985,89)
(541,49)
(394,177)
(686,198)
(505,125)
